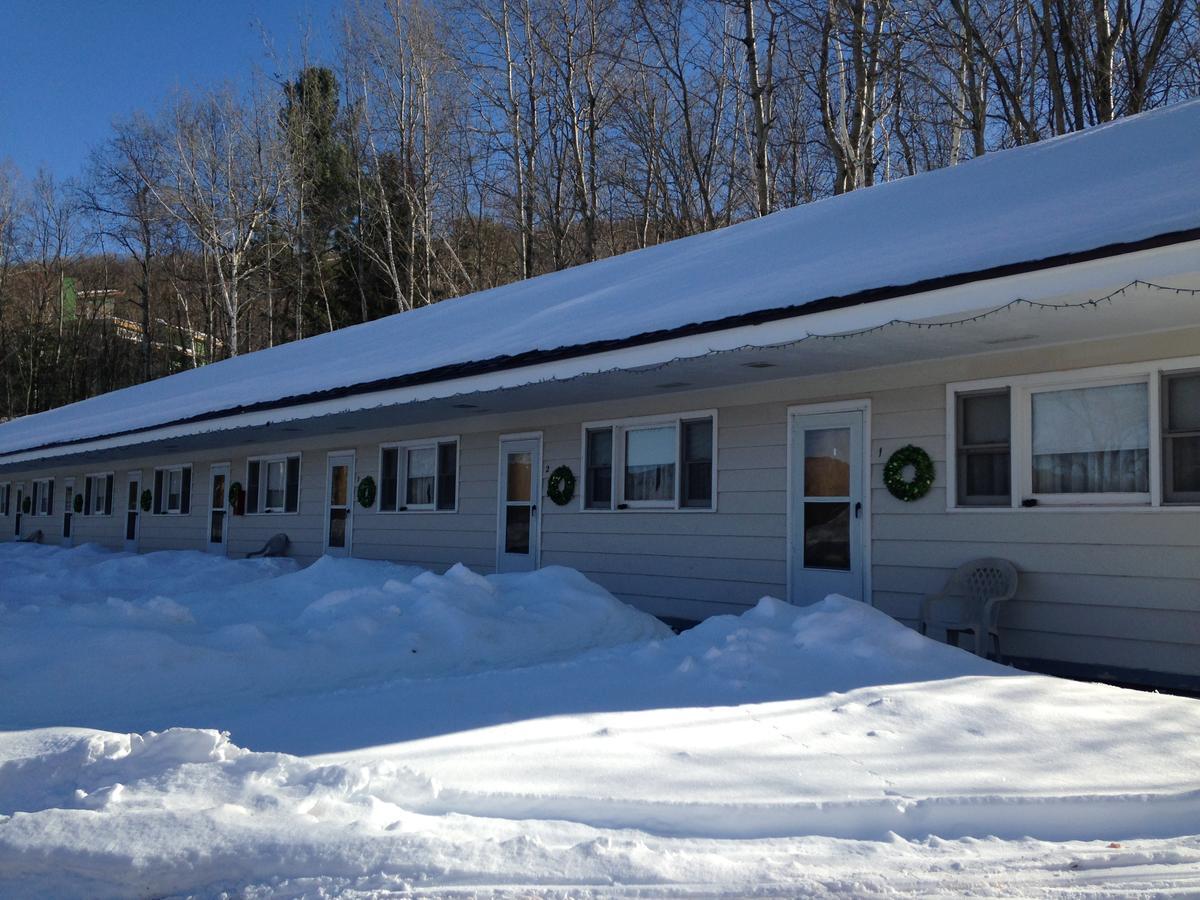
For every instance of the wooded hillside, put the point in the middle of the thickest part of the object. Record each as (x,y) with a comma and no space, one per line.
(459,145)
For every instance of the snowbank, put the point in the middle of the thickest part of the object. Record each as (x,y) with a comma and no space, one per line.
(546,740)
(37,575)
(186,812)
(148,641)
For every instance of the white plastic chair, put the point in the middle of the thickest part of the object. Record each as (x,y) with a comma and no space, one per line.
(971,601)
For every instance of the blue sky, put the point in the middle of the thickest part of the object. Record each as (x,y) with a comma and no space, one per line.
(67,69)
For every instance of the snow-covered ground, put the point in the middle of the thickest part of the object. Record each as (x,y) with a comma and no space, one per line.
(396,731)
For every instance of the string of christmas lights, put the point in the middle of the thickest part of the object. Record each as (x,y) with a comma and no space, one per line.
(1019,302)
(995,311)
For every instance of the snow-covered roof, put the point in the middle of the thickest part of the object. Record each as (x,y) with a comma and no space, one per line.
(1125,183)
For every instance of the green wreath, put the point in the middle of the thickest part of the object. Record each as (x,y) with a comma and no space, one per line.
(78,503)
(366,492)
(893,474)
(561,486)
(235,495)
(26,505)
(147,500)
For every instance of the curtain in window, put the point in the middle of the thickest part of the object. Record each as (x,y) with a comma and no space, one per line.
(422,466)
(276,483)
(650,463)
(1092,440)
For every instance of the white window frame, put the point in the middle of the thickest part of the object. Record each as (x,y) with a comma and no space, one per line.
(620,427)
(263,461)
(98,478)
(402,448)
(1021,389)
(39,492)
(167,470)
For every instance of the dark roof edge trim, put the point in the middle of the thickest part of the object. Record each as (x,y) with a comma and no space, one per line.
(758,317)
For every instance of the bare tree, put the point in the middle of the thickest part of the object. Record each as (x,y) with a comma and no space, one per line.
(223,186)
(117,195)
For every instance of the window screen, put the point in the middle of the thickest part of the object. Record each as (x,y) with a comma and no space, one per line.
(696,451)
(599,463)
(1181,438)
(984,447)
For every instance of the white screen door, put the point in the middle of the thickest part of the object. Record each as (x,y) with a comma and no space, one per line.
(68,510)
(828,524)
(339,519)
(133,511)
(218,508)
(520,487)
(20,500)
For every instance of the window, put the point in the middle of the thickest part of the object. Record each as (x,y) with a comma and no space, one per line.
(983,458)
(1091,440)
(696,476)
(1181,437)
(97,494)
(1114,436)
(652,463)
(276,473)
(173,491)
(5,495)
(598,468)
(419,475)
(273,484)
(42,501)
(649,475)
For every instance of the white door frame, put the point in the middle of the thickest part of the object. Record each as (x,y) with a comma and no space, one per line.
(223,547)
(811,409)
(536,491)
(330,457)
(134,543)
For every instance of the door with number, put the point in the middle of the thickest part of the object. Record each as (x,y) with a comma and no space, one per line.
(339,520)
(518,532)
(133,511)
(828,522)
(218,509)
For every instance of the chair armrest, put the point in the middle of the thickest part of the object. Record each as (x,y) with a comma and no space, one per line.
(927,606)
(991,611)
